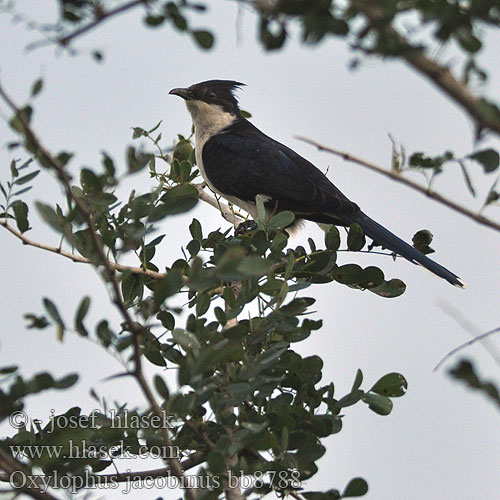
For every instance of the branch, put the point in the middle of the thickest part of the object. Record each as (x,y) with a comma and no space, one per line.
(470,328)
(53,163)
(439,75)
(78,258)
(12,466)
(102,16)
(192,461)
(394,175)
(226,212)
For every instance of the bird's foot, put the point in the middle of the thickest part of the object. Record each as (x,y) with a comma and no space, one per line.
(245,227)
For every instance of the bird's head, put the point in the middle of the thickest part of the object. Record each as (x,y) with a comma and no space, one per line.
(211,101)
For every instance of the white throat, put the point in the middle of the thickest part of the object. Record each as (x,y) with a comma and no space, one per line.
(208,120)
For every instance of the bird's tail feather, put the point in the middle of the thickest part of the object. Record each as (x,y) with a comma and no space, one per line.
(381,236)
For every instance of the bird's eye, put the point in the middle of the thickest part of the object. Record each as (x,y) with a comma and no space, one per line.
(211,95)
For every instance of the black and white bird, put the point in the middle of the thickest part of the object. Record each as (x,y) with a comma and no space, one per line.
(239,162)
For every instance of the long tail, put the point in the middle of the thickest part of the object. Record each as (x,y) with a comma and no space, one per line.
(384,237)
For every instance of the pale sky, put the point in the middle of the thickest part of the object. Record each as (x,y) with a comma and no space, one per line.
(441,441)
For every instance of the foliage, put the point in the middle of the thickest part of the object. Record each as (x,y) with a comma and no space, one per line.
(246,403)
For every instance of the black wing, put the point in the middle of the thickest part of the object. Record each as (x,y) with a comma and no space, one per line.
(243,166)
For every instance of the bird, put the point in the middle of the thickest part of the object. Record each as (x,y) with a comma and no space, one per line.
(238,162)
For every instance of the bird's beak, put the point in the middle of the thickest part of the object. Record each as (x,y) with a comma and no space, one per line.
(184,93)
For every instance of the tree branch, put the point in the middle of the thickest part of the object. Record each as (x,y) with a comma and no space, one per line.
(394,175)
(100,18)
(13,467)
(53,163)
(439,75)
(120,477)
(78,258)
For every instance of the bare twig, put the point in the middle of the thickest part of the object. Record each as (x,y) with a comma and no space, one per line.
(103,16)
(466,344)
(439,75)
(473,330)
(394,175)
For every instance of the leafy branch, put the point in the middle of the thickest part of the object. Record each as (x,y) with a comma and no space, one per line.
(52,163)
(485,114)
(396,176)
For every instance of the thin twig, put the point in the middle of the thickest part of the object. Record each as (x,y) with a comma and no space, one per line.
(472,330)
(466,344)
(103,16)
(394,175)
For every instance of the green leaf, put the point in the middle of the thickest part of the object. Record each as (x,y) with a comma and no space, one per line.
(154,21)
(176,200)
(220,315)
(50,216)
(391,385)
(185,339)
(153,355)
(67,381)
(332,238)
(21,214)
(356,487)
(421,241)
(377,403)
(195,230)
(39,322)
(357,381)
(167,286)
(80,316)
(26,178)
(136,161)
(167,319)
(203,38)
(281,221)
(21,117)
(310,453)
(229,262)
(372,277)
(465,371)
(254,266)
(261,212)
(138,132)
(355,239)
(348,274)
(37,87)
(52,311)
(202,303)
(467,178)
(488,158)
(467,39)
(216,462)
(389,289)
(161,387)
(13,169)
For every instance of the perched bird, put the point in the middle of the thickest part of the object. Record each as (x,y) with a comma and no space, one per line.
(238,161)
